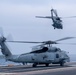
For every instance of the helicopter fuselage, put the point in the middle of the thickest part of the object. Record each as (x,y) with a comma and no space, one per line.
(55,56)
(57,22)
(40,54)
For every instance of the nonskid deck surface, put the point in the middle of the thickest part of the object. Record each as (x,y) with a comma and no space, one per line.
(25,68)
(28,69)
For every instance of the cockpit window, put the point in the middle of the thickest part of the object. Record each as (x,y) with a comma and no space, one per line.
(58,49)
(54,50)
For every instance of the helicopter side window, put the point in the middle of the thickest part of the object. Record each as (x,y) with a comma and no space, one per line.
(57,18)
(56,50)
(57,55)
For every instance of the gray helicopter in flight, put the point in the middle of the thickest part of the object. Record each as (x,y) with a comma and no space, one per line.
(41,54)
(57,22)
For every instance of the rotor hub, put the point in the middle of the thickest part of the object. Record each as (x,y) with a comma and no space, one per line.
(50,42)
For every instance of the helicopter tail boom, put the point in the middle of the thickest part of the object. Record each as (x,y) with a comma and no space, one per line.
(54,12)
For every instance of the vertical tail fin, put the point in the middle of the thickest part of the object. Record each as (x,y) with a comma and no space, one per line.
(5,49)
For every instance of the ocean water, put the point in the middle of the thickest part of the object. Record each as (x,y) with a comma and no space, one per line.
(4,62)
(72,57)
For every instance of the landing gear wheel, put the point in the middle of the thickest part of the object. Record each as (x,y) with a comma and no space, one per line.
(34,65)
(23,63)
(62,63)
(47,65)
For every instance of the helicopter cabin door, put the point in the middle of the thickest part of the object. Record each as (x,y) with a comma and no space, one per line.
(57,57)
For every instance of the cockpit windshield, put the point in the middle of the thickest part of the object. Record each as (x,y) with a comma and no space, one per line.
(54,49)
(57,49)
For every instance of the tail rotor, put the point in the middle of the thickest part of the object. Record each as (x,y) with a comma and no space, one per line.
(3,38)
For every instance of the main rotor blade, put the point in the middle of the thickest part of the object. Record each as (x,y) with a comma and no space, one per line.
(69,17)
(40,42)
(67,43)
(44,42)
(70,43)
(23,42)
(49,17)
(66,38)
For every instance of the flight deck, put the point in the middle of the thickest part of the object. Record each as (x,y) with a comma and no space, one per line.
(69,68)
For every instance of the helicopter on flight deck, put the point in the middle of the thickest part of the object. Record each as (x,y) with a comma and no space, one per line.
(41,54)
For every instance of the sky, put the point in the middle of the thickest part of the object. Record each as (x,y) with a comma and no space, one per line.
(17,17)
